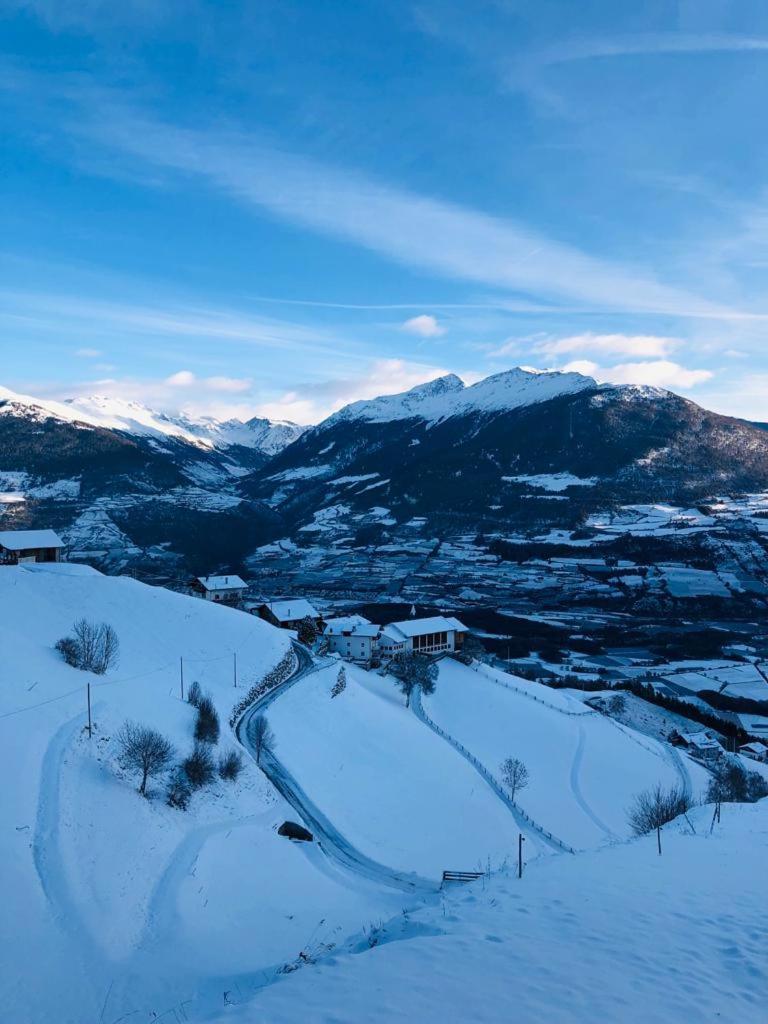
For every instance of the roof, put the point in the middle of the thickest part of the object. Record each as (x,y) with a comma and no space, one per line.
(222,582)
(417,627)
(24,540)
(291,610)
(755,747)
(354,624)
(700,739)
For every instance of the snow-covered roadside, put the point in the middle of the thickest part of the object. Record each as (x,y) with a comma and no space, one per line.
(617,934)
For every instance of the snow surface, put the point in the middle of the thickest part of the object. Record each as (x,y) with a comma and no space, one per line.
(619,935)
(553,481)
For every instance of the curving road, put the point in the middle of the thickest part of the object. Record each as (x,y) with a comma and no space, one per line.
(335,846)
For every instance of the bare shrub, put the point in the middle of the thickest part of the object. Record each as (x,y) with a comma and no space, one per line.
(194,695)
(734,784)
(143,751)
(341,683)
(179,791)
(207,726)
(655,807)
(617,704)
(230,765)
(199,767)
(92,647)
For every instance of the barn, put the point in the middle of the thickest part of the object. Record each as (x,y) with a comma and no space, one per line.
(20,546)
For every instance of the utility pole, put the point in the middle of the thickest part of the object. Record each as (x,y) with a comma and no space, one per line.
(181,676)
(520,841)
(235,666)
(90,724)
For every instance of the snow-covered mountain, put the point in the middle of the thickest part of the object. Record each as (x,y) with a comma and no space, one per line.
(263,435)
(448,396)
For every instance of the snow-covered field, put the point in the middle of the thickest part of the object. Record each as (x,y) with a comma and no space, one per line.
(396,790)
(584,768)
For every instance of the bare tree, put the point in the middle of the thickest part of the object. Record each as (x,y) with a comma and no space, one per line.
(414,671)
(230,765)
(655,807)
(195,694)
(733,784)
(92,647)
(307,631)
(143,751)
(262,737)
(515,775)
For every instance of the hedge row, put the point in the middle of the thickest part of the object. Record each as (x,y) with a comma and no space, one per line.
(273,678)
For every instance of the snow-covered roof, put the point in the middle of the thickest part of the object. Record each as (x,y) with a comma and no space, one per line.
(24,540)
(700,740)
(291,610)
(755,747)
(350,624)
(222,582)
(418,627)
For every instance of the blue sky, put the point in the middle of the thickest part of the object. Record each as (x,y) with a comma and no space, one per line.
(279,207)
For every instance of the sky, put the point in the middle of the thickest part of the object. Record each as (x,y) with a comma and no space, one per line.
(276,207)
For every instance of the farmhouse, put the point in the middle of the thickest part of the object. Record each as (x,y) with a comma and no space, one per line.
(223,589)
(422,636)
(289,613)
(756,750)
(353,637)
(701,744)
(19,546)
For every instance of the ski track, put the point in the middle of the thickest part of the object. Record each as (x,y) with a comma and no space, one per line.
(578,757)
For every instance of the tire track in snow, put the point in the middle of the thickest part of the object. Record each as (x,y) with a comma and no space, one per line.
(578,757)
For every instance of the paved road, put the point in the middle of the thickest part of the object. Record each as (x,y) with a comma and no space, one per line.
(335,846)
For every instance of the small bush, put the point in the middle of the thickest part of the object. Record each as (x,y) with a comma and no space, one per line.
(655,807)
(199,767)
(734,784)
(195,695)
(91,648)
(230,765)
(207,725)
(341,683)
(179,791)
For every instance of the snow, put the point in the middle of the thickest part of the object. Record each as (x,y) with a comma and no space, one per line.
(134,418)
(553,481)
(393,788)
(618,934)
(24,540)
(292,609)
(222,582)
(448,396)
(584,769)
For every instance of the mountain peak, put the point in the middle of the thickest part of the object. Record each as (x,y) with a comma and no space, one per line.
(449,396)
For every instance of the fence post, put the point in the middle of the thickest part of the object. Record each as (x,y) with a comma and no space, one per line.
(90,729)
(520,841)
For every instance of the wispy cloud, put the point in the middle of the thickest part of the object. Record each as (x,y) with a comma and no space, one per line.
(429,234)
(643,345)
(647,43)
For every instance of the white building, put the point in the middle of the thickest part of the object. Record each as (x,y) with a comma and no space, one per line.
(222,589)
(20,546)
(422,636)
(353,637)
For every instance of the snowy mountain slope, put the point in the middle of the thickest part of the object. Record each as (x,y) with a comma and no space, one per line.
(120,896)
(584,769)
(133,418)
(448,396)
(618,934)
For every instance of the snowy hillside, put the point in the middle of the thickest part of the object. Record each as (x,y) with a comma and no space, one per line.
(619,935)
